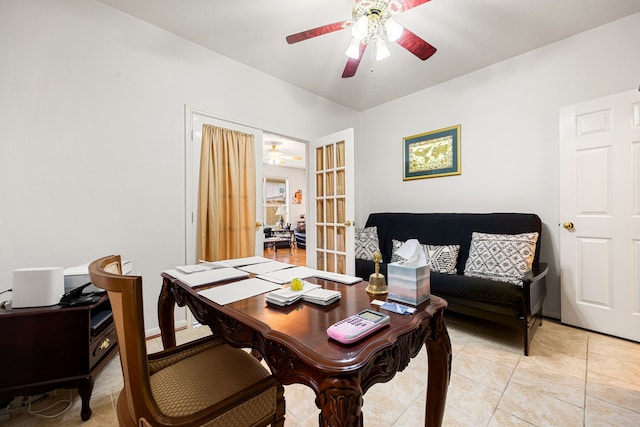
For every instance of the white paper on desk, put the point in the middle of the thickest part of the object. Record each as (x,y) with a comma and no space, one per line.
(285,276)
(237,291)
(336,277)
(239,262)
(266,267)
(188,269)
(208,276)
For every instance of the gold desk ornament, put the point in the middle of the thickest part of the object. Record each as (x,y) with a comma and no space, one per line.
(377,284)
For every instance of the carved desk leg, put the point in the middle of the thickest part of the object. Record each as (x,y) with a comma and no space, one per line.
(85,387)
(340,403)
(166,304)
(439,353)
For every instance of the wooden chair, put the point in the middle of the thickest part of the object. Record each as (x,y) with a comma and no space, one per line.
(204,382)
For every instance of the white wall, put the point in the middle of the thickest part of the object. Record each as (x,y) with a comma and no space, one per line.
(297,181)
(509,135)
(92,134)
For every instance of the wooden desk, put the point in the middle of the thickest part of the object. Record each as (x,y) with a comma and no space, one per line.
(294,343)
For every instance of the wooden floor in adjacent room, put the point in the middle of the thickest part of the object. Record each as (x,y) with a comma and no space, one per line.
(297,256)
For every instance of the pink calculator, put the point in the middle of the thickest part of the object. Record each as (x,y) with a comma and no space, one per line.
(358,326)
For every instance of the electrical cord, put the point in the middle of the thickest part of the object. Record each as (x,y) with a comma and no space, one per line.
(39,412)
(5,291)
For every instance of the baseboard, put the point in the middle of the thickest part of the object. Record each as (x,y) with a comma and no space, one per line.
(155,332)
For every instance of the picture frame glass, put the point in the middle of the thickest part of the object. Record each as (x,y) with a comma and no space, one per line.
(432,154)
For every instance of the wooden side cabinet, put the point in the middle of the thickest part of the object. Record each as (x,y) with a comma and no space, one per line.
(48,348)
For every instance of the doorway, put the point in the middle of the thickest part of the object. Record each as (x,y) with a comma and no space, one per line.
(285,198)
(194,120)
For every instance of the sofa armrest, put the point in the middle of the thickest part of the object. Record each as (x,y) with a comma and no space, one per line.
(537,273)
(535,288)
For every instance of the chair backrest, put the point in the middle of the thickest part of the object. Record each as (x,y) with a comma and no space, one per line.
(125,295)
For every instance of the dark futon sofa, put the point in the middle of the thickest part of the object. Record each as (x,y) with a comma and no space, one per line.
(488,299)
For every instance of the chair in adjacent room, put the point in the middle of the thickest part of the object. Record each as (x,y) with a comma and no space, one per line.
(202,382)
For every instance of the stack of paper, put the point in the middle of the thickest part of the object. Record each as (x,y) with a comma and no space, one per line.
(322,296)
(310,292)
(286,296)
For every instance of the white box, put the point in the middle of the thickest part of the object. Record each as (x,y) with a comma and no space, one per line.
(409,284)
(37,287)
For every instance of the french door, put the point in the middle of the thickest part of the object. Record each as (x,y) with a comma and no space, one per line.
(330,230)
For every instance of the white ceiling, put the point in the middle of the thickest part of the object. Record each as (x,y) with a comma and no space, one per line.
(469,35)
(293,152)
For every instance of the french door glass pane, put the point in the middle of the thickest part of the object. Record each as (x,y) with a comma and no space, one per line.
(331,263)
(342,264)
(330,184)
(319,159)
(341,215)
(330,239)
(341,239)
(340,187)
(330,210)
(340,157)
(329,157)
(320,260)
(320,210)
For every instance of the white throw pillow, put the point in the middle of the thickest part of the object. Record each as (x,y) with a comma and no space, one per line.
(501,257)
(443,258)
(367,243)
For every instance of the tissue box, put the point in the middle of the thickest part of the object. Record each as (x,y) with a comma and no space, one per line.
(409,284)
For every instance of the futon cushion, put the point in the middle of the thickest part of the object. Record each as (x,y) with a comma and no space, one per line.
(501,257)
(476,289)
(366,243)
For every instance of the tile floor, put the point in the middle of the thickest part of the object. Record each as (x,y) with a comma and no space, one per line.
(572,378)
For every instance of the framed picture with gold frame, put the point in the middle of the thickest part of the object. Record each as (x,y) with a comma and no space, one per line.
(432,154)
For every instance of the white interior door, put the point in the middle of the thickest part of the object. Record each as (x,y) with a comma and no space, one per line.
(330,226)
(194,121)
(600,213)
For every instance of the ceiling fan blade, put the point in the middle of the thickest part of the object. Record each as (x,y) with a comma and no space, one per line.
(416,45)
(319,31)
(352,63)
(410,4)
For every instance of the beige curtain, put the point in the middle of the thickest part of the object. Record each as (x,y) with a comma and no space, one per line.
(227,195)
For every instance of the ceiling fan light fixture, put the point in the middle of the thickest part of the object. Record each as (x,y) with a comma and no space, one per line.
(382,51)
(353,51)
(393,30)
(360,29)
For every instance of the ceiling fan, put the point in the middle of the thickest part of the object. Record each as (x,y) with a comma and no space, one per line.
(371,22)
(276,157)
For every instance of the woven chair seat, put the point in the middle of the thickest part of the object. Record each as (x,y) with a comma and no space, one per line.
(189,385)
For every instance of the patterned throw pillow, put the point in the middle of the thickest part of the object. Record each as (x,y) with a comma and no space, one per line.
(367,243)
(443,259)
(501,257)
(396,245)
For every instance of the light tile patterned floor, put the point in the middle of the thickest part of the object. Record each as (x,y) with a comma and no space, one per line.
(572,378)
